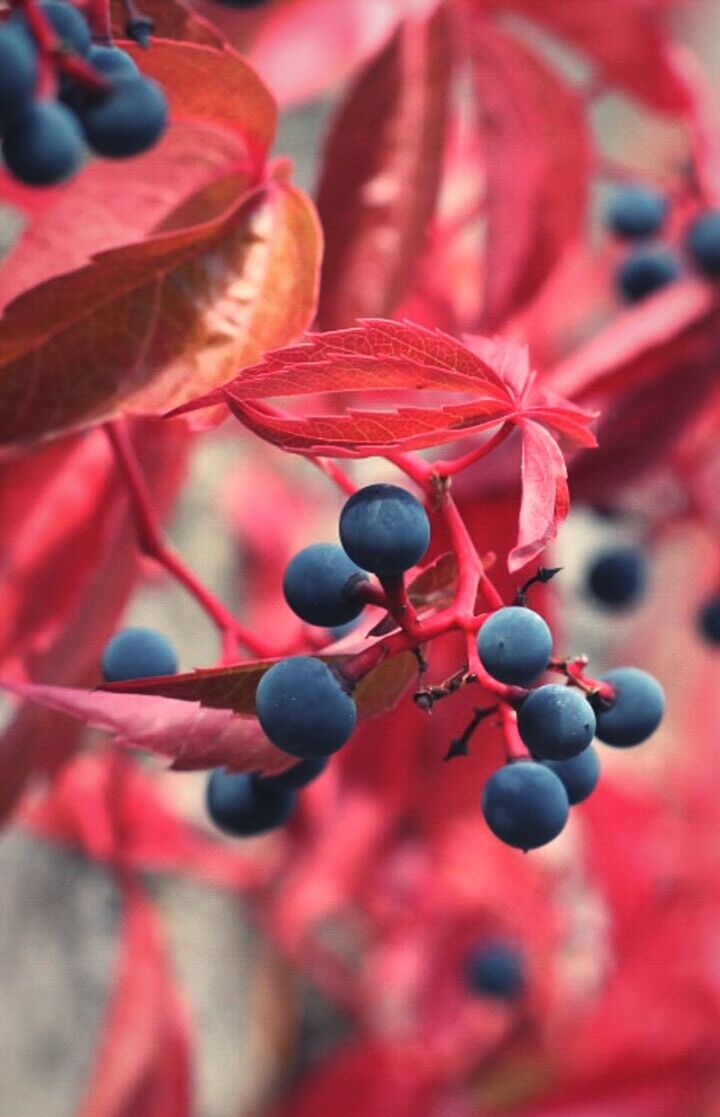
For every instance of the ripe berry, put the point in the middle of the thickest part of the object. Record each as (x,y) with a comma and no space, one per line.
(18,70)
(496,969)
(300,775)
(579,775)
(128,121)
(43,144)
(138,653)
(525,804)
(617,577)
(303,709)
(69,25)
(709,620)
(383,528)
(318,585)
(515,645)
(703,243)
(112,62)
(556,722)
(636,710)
(243,805)
(636,211)
(646,271)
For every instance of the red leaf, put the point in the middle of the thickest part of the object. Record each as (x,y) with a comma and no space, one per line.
(173,19)
(545,500)
(538,169)
(381,174)
(191,736)
(170,315)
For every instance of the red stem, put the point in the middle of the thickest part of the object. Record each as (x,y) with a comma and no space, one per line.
(152,544)
(333,471)
(515,748)
(455,465)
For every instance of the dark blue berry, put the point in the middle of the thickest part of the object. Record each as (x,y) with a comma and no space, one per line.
(243,805)
(303,709)
(636,211)
(618,577)
(496,969)
(300,775)
(525,804)
(18,71)
(318,585)
(138,653)
(636,710)
(579,775)
(127,121)
(112,62)
(515,645)
(556,722)
(703,243)
(43,144)
(647,270)
(385,529)
(709,620)
(69,25)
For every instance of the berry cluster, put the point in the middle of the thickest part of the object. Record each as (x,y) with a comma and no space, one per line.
(96,97)
(637,213)
(246,804)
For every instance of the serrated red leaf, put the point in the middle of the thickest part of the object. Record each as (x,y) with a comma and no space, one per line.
(169,315)
(545,500)
(381,173)
(538,168)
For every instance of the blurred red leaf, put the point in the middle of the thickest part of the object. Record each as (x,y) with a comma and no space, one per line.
(173,19)
(538,168)
(381,173)
(170,315)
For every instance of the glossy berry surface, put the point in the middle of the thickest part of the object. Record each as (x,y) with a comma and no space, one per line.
(496,969)
(317,585)
(303,709)
(138,653)
(647,270)
(68,24)
(636,710)
(709,620)
(112,62)
(579,775)
(617,577)
(243,805)
(525,804)
(127,121)
(385,529)
(43,144)
(556,722)
(515,645)
(636,211)
(300,775)
(703,243)
(18,71)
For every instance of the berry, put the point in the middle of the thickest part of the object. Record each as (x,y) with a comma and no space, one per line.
(646,271)
(128,121)
(515,645)
(243,805)
(496,970)
(69,25)
(18,71)
(112,62)
(556,722)
(384,528)
(636,211)
(318,585)
(709,620)
(579,775)
(525,804)
(703,243)
(300,775)
(339,630)
(617,577)
(303,709)
(138,653)
(43,144)
(636,710)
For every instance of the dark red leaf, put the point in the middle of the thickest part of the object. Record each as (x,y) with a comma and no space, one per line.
(381,174)
(545,500)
